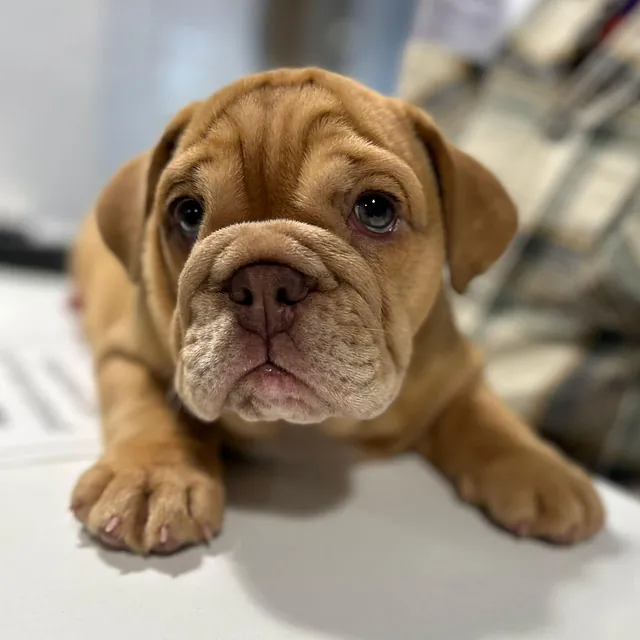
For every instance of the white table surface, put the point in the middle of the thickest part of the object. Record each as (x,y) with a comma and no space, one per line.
(381,552)
(315,549)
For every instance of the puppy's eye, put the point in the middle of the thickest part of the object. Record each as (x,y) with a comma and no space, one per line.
(376,212)
(188,214)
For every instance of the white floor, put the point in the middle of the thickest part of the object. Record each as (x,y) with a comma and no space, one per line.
(377,553)
(47,403)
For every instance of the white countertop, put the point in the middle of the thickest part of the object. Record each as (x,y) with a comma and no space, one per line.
(377,553)
(381,551)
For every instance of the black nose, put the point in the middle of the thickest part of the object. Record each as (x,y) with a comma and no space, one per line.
(265,297)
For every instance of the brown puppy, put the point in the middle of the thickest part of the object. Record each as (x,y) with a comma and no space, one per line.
(278,257)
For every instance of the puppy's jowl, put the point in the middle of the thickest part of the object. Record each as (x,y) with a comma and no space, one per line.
(278,258)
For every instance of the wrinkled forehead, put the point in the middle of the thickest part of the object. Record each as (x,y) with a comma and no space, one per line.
(295,106)
(269,143)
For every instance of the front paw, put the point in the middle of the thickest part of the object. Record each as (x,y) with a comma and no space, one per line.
(535,493)
(148,509)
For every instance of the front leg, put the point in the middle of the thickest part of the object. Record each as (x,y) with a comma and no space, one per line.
(497,463)
(158,486)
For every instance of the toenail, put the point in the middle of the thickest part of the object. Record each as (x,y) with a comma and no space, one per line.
(208,532)
(114,521)
(466,489)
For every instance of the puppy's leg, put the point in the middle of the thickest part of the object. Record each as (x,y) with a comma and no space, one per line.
(158,487)
(499,464)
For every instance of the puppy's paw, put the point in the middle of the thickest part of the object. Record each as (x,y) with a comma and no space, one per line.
(157,509)
(537,494)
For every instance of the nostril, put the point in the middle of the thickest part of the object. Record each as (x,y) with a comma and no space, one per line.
(240,294)
(284,297)
(267,284)
(292,294)
(245,297)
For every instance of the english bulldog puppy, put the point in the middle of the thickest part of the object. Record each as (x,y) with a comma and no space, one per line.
(278,258)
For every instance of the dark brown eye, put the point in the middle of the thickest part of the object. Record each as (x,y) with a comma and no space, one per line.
(188,214)
(376,212)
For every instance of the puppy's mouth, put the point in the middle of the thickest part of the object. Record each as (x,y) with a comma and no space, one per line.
(269,390)
(269,379)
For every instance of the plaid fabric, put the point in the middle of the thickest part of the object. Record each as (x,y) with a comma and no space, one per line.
(559,315)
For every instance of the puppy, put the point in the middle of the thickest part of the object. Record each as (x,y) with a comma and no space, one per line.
(278,258)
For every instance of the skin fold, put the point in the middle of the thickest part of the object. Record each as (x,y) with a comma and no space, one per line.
(286,309)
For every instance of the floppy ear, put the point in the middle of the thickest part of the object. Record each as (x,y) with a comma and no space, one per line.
(126,201)
(480,218)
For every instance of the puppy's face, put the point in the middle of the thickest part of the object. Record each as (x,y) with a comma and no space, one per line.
(296,228)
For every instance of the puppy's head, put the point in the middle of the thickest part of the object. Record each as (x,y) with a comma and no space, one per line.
(290,235)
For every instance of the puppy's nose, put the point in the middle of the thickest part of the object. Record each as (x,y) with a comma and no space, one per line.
(265,297)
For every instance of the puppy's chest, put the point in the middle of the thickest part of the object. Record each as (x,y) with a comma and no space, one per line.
(282,442)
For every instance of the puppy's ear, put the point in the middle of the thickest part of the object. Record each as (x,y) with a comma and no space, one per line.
(480,218)
(126,201)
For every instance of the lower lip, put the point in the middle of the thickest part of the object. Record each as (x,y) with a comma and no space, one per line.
(273,381)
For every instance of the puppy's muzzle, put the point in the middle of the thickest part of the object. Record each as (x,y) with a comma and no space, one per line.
(273,266)
(288,295)
(265,297)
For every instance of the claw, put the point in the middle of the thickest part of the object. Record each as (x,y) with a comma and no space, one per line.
(208,533)
(565,538)
(74,301)
(167,543)
(76,506)
(466,489)
(107,535)
(114,521)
